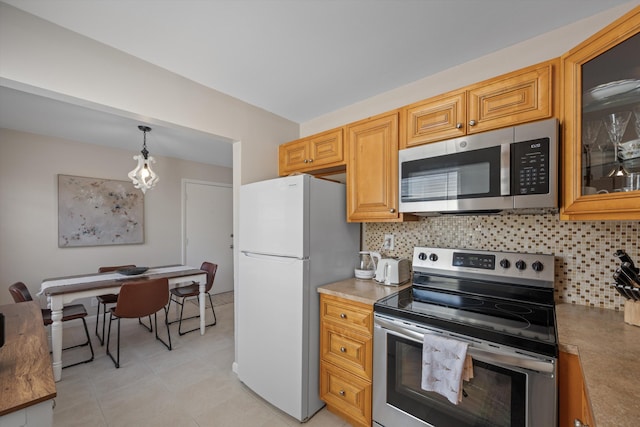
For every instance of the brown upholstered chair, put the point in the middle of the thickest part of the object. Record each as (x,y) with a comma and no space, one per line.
(20,293)
(110,299)
(140,299)
(193,290)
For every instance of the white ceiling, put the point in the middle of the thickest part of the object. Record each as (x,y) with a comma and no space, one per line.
(299,59)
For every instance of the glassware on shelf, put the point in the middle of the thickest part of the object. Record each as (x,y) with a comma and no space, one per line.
(590,131)
(636,113)
(616,124)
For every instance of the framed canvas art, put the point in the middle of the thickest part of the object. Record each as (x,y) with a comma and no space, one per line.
(97,212)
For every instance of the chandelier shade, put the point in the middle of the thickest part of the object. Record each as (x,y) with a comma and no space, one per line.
(143,177)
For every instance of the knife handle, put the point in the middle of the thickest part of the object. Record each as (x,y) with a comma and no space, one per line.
(621,291)
(625,258)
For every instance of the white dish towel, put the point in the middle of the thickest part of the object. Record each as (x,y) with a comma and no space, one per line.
(445,364)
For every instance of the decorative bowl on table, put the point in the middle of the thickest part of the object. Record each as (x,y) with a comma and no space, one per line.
(132,271)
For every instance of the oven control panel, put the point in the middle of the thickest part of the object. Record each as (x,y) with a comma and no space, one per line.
(473,260)
(535,269)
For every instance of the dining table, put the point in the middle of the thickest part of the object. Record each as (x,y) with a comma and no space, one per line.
(64,290)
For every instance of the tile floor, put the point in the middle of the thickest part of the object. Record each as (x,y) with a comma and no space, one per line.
(191,386)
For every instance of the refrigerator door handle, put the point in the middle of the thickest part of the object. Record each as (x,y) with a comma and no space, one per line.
(281,258)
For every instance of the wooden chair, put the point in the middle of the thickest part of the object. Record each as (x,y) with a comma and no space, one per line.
(193,290)
(20,293)
(106,299)
(140,299)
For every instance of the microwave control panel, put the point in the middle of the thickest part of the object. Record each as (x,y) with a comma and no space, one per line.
(530,166)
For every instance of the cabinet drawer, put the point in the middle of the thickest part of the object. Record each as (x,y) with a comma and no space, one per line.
(350,351)
(347,314)
(346,393)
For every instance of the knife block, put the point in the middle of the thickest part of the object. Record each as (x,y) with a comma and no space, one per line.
(632,312)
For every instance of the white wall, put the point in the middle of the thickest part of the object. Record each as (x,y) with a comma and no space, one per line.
(547,46)
(29,165)
(41,58)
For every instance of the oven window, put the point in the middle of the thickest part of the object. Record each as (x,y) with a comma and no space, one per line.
(494,397)
(464,175)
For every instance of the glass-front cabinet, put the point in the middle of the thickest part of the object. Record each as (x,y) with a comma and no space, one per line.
(601,124)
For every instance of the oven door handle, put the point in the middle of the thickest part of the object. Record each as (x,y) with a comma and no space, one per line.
(515,360)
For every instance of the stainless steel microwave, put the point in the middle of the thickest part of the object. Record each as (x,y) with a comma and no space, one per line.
(505,169)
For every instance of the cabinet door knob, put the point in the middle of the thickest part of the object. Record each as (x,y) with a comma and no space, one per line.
(392,210)
(472,122)
(341,393)
(458,125)
(306,160)
(343,350)
(310,160)
(343,316)
(578,423)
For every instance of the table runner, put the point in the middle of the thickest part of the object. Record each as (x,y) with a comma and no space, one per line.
(101,277)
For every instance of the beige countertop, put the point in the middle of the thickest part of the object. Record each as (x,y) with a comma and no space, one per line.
(609,352)
(364,291)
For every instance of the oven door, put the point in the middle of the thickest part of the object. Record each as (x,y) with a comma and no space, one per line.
(508,389)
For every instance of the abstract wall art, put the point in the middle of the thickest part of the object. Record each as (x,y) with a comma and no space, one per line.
(97,212)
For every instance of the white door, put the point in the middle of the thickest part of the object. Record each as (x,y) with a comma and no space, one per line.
(208,229)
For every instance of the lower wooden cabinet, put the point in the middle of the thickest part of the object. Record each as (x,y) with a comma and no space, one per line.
(573,403)
(346,394)
(346,358)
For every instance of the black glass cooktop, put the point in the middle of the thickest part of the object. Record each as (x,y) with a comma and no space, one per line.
(517,316)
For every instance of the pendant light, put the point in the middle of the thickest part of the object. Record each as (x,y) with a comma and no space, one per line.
(142,176)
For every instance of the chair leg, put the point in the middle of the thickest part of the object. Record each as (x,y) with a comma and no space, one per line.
(181,316)
(166,321)
(115,361)
(148,328)
(104,321)
(215,320)
(97,322)
(169,308)
(86,331)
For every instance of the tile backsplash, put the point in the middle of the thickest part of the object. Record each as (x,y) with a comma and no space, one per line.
(584,261)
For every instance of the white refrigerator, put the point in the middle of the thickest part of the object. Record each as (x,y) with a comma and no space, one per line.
(293,238)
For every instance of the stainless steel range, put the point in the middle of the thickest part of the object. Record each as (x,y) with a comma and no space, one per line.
(501,304)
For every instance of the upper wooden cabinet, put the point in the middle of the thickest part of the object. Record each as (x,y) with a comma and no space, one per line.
(517,97)
(601,87)
(321,152)
(372,172)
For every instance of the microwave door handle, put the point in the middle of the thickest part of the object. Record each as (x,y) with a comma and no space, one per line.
(516,360)
(505,169)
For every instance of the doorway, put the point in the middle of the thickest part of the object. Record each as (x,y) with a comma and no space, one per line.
(208,229)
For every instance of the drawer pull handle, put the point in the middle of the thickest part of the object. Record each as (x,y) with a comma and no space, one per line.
(342,393)
(343,350)
(343,316)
